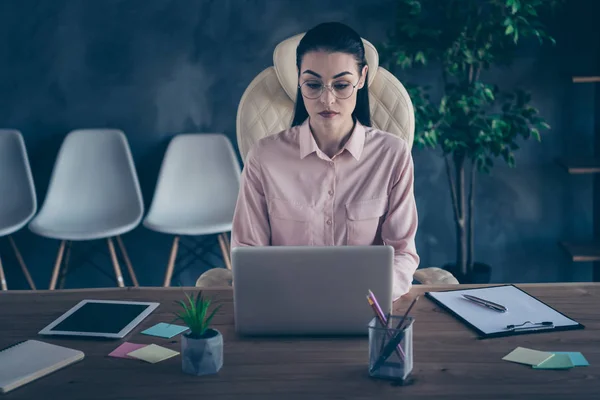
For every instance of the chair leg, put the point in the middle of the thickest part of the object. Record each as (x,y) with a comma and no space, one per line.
(2,278)
(21,263)
(226,238)
(127,261)
(59,257)
(65,267)
(223,244)
(115,261)
(171,266)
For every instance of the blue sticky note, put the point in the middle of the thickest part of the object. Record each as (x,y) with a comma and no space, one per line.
(576,357)
(557,361)
(165,330)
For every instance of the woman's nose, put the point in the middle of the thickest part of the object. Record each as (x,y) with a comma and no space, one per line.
(327,97)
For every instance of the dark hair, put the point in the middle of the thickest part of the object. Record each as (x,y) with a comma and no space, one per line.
(334,37)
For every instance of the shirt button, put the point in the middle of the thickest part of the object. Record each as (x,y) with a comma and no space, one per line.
(330,192)
(328,222)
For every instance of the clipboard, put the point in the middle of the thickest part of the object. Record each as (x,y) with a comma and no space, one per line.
(523,311)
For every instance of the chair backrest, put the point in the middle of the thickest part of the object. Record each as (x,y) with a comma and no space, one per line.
(199,174)
(267,105)
(94,172)
(18,201)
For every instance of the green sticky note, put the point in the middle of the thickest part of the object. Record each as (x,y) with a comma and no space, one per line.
(576,357)
(153,353)
(522,355)
(559,361)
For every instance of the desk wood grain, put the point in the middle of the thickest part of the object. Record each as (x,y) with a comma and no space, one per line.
(449,361)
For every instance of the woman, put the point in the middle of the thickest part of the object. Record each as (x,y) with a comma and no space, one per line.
(331,179)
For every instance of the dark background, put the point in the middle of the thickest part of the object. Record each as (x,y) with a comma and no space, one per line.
(156,68)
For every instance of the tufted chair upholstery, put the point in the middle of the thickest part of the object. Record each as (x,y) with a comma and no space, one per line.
(267,107)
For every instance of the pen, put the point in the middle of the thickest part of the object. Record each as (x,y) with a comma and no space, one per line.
(533,325)
(382,319)
(407,311)
(485,303)
(394,343)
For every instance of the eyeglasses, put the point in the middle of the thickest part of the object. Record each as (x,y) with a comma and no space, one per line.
(313,89)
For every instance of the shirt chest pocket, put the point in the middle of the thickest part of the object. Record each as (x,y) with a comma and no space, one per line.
(290,223)
(363,220)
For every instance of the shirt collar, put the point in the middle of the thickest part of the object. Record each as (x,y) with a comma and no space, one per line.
(354,145)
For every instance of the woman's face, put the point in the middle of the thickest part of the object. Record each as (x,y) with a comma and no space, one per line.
(339,73)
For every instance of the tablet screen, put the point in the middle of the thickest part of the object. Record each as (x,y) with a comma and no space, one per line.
(101,317)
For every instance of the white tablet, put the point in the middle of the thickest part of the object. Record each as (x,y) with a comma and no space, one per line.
(100,318)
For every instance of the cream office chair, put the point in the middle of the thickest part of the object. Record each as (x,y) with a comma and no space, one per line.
(267,107)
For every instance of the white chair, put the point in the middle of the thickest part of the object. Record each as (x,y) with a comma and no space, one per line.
(196,192)
(267,107)
(18,202)
(93,193)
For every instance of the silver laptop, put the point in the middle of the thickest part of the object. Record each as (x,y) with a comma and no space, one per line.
(309,290)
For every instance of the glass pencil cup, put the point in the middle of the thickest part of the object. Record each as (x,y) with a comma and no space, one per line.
(399,364)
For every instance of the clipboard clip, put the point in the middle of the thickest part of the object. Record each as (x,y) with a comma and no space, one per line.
(531,325)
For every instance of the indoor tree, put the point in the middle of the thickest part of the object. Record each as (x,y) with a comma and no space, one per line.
(472,122)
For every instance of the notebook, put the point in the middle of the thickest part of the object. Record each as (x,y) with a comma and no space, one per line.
(30,360)
(525,313)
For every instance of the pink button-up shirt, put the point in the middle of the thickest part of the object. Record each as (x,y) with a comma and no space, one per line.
(293,194)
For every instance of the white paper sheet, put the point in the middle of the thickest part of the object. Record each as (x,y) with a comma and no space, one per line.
(521,307)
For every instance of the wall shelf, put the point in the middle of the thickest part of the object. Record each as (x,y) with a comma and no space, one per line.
(580,166)
(582,251)
(586,79)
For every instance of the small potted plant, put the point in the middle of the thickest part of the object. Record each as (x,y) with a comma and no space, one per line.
(201,346)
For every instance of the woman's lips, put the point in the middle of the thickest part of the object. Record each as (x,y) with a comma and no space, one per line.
(328,114)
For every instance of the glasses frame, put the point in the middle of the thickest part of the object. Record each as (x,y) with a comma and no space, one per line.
(330,88)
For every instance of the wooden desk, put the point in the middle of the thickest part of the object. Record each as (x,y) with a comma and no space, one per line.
(449,362)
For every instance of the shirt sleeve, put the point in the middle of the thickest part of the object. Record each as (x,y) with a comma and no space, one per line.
(400,225)
(250,219)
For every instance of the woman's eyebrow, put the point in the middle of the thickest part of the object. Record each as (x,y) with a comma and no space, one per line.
(308,71)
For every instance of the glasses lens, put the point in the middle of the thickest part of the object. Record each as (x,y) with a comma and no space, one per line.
(312,89)
(342,89)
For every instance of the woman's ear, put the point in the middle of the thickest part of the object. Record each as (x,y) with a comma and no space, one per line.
(363,76)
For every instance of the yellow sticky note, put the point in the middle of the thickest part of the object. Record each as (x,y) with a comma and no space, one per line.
(522,355)
(153,353)
(559,361)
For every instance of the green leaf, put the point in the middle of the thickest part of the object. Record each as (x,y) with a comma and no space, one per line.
(516,5)
(544,125)
(509,29)
(511,160)
(531,10)
(210,317)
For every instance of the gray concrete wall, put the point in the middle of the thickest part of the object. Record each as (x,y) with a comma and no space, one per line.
(155,68)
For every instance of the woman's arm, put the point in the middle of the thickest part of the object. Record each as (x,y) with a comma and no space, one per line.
(251,219)
(400,225)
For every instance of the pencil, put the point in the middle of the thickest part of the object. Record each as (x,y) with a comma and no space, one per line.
(383,320)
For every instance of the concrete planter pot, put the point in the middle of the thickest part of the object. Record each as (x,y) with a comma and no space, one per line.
(202,356)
